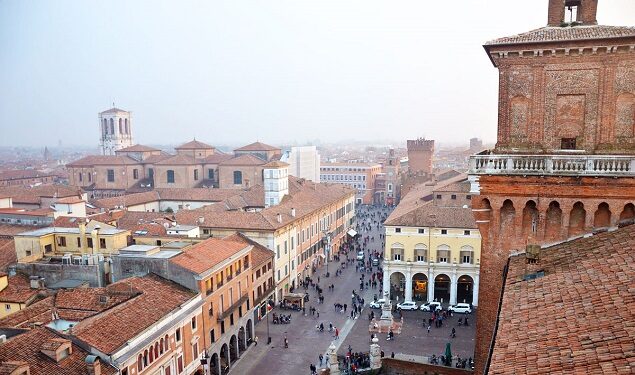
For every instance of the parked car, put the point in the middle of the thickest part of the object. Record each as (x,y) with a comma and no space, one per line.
(407,306)
(360,255)
(375,262)
(463,308)
(432,306)
(377,304)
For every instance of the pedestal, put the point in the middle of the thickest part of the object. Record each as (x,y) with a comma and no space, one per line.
(375,355)
(334,365)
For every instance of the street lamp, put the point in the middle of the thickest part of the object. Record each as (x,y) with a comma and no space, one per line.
(269,308)
(327,248)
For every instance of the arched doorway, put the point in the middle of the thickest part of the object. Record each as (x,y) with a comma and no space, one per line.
(224,359)
(419,287)
(233,348)
(442,288)
(250,337)
(397,285)
(241,339)
(465,289)
(214,365)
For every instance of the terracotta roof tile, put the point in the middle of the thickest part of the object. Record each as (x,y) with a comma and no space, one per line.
(137,148)
(113,110)
(259,254)
(8,255)
(27,347)
(430,215)
(577,318)
(111,329)
(92,160)
(217,158)
(178,160)
(246,159)
(558,34)
(194,145)
(257,146)
(18,291)
(206,254)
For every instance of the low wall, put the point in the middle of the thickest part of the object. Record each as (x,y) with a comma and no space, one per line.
(391,366)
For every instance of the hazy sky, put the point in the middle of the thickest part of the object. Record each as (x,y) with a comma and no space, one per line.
(276,71)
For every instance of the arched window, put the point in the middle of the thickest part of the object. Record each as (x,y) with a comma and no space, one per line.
(151,355)
(421,253)
(156,350)
(396,250)
(120,126)
(238,178)
(112,126)
(145,358)
(467,254)
(139,363)
(161,347)
(125,123)
(443,253)
(166,342)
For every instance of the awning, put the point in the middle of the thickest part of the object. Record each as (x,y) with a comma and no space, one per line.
(352,233)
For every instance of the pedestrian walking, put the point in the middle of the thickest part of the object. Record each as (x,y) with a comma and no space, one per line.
(255,340)
(428,328)
(321,358)
(286,342)
(337,333)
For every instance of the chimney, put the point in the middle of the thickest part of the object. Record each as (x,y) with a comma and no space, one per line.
(279,217)
(35,282)
(292,212)
(82,236)
(201,220)
(93,365)
(532,253)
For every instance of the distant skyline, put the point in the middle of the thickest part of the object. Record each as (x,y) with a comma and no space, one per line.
(233,72)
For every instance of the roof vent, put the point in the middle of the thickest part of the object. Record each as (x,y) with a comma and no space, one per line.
(293,212)
(201,219)
(279,217)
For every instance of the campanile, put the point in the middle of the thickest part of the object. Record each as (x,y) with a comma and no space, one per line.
(564,161)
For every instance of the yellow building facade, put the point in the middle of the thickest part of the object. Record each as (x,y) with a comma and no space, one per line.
(433,250)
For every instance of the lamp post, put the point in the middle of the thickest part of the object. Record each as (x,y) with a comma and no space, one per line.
(327,248)
(269,307)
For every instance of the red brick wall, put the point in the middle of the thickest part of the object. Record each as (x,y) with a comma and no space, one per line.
(503,233)
(392,366)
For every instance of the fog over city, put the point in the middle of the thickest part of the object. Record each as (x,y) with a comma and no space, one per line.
(281,72)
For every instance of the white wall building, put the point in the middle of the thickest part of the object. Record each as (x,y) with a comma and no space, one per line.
(304,162)
(115,131)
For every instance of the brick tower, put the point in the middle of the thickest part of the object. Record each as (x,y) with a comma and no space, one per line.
(564,160)
(420,153)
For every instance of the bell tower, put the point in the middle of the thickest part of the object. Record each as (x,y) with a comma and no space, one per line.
(564,161)
(115,130)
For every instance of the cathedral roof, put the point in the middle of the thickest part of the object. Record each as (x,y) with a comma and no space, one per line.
(243,160)
(194,145)
(92,160)
(563,34)
(257,146)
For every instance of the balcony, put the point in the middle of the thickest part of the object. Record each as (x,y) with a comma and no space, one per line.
(230,309)
(264,294)
(554,165)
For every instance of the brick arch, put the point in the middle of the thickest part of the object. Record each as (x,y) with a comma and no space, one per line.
(628,213)
(602,216)
(530,219)
(577,219)
(553,221)
(507,217)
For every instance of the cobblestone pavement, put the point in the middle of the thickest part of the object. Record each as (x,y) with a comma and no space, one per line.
(306,343)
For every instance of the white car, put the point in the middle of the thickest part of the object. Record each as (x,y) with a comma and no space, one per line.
(463,308)
(407,306)
(360,255)
(377,304)
(432,306)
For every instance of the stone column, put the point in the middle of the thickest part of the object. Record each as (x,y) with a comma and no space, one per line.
(408,294)
(453,284)
(475,291)
(375,355)
(386,282)
(430,286)
(334,365)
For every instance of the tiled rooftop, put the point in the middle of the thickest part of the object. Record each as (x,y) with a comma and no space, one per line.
(428,214)
(18,291)
(558,34)
(206,254)
(194,145)
(111,329)
(27,348)
(246,159)
(138,148)
(579,318)
(257,146)
(89,161)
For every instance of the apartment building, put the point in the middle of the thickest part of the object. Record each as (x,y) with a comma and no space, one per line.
(360,176)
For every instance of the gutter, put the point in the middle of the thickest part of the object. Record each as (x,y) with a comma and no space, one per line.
(500,304)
